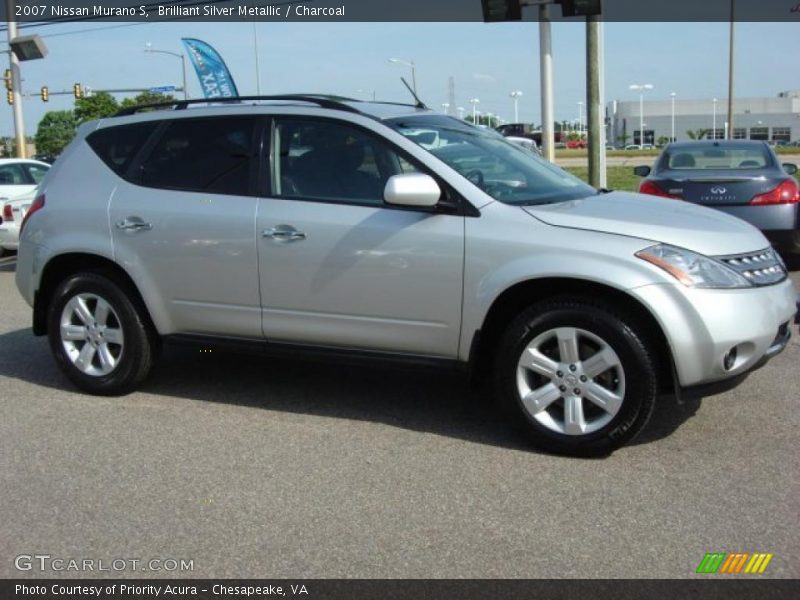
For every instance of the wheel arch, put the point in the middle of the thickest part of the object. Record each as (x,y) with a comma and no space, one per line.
(62,266)
(513,300)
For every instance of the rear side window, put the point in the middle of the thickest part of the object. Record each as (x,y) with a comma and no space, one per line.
(204,155)
(12,175)
(117,146)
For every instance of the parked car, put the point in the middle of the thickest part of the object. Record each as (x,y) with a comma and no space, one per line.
(12,212)
(202,224)
(19,176)
(633,147)
(743,178)
(526,143)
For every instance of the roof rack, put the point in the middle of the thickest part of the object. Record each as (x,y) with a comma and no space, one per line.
(333,102)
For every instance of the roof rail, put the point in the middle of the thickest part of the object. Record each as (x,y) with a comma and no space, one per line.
(333,102)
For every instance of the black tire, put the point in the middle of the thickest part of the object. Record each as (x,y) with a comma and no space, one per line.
(621,333)
(141,342)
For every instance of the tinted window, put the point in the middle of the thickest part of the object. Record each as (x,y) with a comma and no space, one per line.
(718,156)
(322,160)
(37,172)
(203,155)
(12,175)
(117,146)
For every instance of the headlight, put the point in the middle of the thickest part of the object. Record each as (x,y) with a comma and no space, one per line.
(692,269)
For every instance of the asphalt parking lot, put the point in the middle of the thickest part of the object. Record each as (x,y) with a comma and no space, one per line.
(277,468)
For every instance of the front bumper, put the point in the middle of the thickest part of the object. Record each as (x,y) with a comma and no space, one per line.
(702,327)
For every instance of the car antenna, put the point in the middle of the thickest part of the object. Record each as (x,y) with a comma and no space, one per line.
(420,103)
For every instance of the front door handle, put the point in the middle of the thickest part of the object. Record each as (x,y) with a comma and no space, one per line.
(284,233)
(133,224)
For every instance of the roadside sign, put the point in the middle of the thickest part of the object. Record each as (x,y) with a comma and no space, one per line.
(161,89)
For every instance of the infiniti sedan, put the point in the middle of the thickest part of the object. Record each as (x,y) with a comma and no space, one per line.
(740,177)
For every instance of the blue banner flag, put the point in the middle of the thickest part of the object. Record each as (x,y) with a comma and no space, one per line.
(215,79)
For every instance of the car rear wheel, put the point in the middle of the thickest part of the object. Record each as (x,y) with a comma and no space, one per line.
(576,377)
(100,337)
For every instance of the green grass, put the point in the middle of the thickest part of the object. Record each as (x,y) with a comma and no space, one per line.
(619,178)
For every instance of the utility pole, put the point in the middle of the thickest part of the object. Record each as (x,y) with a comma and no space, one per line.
(16,84)
(546,77)
(593,107)
(731,70)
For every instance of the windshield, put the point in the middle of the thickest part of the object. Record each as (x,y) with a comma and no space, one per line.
(717,157)
(507,172)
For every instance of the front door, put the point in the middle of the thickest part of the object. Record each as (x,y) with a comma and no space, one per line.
(338,266)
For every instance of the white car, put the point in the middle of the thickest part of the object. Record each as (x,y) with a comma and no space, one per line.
(11,215)
(19,176)
(522,142)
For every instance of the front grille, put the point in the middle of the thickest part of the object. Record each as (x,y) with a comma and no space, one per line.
(764,267)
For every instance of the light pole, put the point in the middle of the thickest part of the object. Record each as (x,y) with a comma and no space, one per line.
(461,110)
(515,96)
(474,102)
(412,66)
(714,121)
(641,88)
(148,47)
(446,107)
(672,97)
(580,119)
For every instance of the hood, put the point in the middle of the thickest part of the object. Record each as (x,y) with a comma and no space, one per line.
(675,222)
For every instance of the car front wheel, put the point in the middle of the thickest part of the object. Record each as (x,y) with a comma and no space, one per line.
(99,335)
(577,377)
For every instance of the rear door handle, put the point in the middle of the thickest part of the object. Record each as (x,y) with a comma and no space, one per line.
(284,233)
(133,224)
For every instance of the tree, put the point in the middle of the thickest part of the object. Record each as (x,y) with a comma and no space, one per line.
(96,106)
(663,140)
(55,131)
(698,134)
(624,138)
(147,98)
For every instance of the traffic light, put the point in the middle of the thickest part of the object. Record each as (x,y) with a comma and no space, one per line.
(45,94)
(10,97)
(8,80)
(76,90)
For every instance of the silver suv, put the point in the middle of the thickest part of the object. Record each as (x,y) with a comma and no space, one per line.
(385,230)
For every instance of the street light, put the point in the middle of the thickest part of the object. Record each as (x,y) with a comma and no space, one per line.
(148,47)
(580,119)
(408,63)
(672,96)
(641,88)
(461,110)
(474,102)
(714,121)
(515,96)
(446,107)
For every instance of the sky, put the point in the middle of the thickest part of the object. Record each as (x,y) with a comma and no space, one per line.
(488,61)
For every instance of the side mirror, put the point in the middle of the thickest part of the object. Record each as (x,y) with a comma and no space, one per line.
(642,171)
(790,168)
(412,189)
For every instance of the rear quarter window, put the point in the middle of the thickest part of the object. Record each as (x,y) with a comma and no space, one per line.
(116,146)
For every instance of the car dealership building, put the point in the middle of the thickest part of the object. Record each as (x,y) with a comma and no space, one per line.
(775,119)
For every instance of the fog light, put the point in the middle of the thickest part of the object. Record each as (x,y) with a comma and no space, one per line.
(729,359)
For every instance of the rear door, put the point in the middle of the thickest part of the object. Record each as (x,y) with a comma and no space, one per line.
(14,180)
(338,266)
(183,224)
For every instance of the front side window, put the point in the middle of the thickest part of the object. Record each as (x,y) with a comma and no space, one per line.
(503,170)
(211,155)
(330,161)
